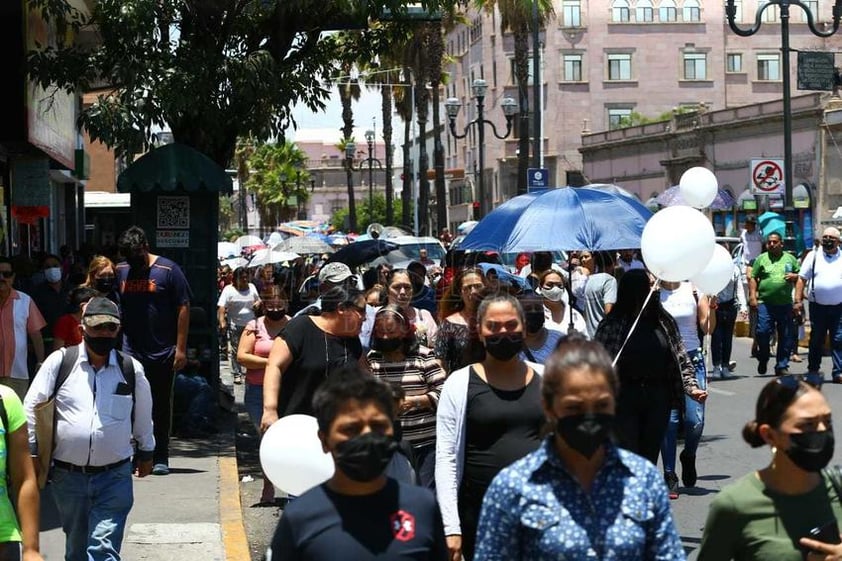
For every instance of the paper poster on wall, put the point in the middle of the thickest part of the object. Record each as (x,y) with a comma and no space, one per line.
(172,238)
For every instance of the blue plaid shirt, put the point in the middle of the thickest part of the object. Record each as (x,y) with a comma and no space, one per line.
(535,510)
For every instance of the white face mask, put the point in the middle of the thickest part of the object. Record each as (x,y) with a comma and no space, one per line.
(554,294)
(52,274)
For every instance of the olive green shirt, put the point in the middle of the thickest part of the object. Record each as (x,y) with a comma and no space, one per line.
(748,522)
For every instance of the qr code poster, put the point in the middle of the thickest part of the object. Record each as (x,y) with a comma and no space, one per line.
(173,212)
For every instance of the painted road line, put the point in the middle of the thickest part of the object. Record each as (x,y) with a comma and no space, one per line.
(231,512)
(719,392)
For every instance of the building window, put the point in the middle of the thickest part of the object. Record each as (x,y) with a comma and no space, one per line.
(620,11)
(514,75)
(619,66)
(770,13)
(691,11)
(667,11)
(813,6)
(619,117)
(572,68)
(734,62)
(738,14)
(643,11)
(476,29)
(572,13)
(769,67)
(695,66)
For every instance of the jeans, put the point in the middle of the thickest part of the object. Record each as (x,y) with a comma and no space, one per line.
(93,509)
(723,335)
(161,380)
(234,334)
(694,418)
(253,403)
(641,417)
(823,320)
(425,465)
(775,317)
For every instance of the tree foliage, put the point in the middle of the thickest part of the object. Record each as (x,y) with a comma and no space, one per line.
(337,220)
(209,70)
(279,180)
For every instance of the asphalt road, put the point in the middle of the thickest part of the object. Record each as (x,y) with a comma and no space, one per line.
(722,457)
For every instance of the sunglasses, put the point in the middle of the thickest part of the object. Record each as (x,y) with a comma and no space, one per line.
(7,274)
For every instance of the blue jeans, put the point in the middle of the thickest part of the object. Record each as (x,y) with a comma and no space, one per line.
(775,317)
(253,403)
(694,418)
(93,510)
(823,320)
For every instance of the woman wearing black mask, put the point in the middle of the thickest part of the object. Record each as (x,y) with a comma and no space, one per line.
(397,358)
(253,354)
(578,496)
(489,415)
(788,510)
(539,342)
(102,277)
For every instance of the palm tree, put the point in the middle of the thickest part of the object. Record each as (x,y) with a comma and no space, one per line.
(276,174)
(405,108)
(516,17)
(349,91)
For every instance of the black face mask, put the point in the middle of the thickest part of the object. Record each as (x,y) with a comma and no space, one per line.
(828,245)
(586,432)
(385,345)
(534,321)
(811,451)
(104,285)
(275,315)
(504,346)
(364,458)
(100,345)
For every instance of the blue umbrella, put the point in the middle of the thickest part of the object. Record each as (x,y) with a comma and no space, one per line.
(672,197)
(772,223)
(569,218)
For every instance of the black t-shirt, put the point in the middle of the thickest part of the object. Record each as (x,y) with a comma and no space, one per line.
(399,522)
(315,354)
(502,427)
(647,356)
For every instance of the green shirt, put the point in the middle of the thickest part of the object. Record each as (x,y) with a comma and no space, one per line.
(748,522)
(769,273)
(9,528)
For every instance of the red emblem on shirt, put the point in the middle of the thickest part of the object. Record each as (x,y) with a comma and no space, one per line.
(403,525)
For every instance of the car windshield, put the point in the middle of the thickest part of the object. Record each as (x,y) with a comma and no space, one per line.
(412,252)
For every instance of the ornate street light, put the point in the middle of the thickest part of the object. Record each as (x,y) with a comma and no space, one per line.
(350,149)
(784,5)
(510,109)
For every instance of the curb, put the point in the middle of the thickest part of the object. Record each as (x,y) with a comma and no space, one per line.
(234,542)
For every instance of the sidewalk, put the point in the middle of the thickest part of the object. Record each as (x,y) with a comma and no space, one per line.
(192,514)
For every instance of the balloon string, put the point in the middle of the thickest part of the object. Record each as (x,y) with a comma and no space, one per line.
(652,290)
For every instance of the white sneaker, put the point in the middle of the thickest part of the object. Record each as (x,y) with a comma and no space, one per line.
(732,365)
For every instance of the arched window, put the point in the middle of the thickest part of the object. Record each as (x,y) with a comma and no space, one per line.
(620,11)
(692,11)
(643,11)
(667,11)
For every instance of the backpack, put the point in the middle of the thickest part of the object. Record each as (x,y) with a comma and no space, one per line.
(68,360)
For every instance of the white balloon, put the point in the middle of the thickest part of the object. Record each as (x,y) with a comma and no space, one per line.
(291,455)
(715,276)
(698,187)
(677,243)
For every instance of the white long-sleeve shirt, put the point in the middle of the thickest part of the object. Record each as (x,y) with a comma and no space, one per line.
(93,425)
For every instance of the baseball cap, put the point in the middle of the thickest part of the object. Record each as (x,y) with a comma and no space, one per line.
(101,310)
(751,219)
(335,273)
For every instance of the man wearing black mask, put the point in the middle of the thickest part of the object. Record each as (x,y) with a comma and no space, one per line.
(359,513)
(155,298)
(821,275)
(100,407)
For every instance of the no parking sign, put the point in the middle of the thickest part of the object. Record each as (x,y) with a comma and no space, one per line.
(767,177)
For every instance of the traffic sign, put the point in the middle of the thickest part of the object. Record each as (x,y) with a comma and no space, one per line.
(767,177)
(537,178)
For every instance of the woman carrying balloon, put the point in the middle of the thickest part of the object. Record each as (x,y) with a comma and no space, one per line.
(789,510)
(489,415)
(578,496)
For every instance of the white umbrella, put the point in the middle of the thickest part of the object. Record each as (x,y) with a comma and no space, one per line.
(227,249)
(235,262)
(304,245)
(271,256)
(248,241)
(465,227)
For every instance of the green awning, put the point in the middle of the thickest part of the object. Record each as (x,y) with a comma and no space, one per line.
(174,166)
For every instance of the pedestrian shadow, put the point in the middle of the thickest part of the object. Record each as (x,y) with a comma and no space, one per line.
(689,544)
(49,518)
(698,491)
(177,470)
(713,477)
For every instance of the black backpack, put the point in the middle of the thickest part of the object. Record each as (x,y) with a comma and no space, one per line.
(68,360)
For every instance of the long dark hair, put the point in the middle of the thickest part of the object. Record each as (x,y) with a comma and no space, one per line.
(410,341)
(452,302)
(772,403)
(632,290)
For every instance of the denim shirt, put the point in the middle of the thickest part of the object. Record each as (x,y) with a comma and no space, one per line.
(535,510)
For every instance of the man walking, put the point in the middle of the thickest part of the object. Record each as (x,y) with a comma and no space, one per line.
(773,277)
(359,513)
(822,277)
(155,298)
(100,408)
(19,318)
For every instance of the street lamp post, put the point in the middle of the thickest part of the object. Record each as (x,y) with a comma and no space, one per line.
(784,5)
(510,109)
(350,148)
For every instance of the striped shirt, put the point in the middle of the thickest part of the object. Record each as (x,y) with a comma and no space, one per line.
(417,374)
